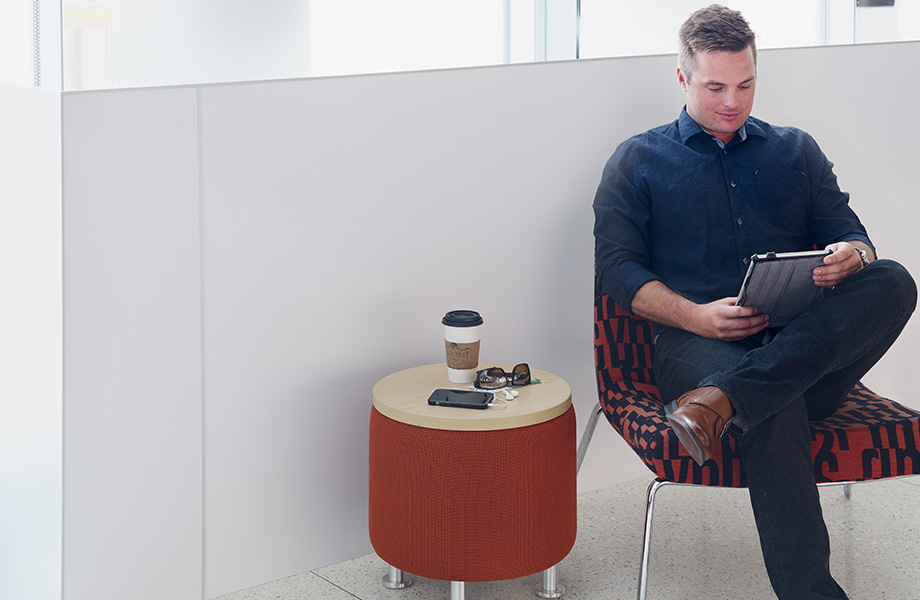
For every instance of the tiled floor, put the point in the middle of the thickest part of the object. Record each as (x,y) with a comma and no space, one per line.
(875,537)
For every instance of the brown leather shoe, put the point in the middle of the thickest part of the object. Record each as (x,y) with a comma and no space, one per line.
(699,418)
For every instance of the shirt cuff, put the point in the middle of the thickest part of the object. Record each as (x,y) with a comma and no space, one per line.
(625,289)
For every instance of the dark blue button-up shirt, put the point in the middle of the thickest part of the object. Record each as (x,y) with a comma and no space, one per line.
(676,205)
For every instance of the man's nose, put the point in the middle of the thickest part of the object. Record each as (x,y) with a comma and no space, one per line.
(730,98)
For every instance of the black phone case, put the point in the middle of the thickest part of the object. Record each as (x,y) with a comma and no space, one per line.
(443,397)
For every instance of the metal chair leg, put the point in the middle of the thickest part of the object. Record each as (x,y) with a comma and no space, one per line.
(551,588)
(457,590)
(396,579)
(587,435)
(653,488)
(646,540)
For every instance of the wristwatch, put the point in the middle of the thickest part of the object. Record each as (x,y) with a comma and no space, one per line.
(863,255)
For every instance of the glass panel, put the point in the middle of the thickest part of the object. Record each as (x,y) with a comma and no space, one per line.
(635,28)
(887,21)
(556,29)
(19,43)
(86,39)
(171,42)
(364,36)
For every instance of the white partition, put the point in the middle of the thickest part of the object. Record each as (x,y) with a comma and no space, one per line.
(30,344)
(242,262)
(132,346)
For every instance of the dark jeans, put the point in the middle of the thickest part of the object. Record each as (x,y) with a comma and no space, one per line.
(803,372)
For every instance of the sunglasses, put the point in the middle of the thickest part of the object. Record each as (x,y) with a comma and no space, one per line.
(495,378)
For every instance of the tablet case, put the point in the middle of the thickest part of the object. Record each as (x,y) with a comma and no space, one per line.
(780,284)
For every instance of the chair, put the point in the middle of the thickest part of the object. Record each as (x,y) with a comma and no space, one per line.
(868,438)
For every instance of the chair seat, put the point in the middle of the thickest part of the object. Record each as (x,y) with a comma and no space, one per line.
(869,437)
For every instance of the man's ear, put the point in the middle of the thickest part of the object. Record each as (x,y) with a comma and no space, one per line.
(684,81)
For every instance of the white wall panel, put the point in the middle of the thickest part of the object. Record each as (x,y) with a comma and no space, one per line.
(30,344)
(132,366)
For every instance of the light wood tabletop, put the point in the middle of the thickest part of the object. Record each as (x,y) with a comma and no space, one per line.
(403,397)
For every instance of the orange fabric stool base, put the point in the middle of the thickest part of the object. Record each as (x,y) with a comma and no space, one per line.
(472,505)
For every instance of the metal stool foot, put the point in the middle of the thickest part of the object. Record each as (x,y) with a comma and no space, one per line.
(396,579)
(457,590)
(550,588)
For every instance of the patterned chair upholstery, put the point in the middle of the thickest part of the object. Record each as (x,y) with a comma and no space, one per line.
(869,437)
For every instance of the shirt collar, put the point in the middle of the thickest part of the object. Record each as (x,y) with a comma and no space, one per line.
(689,128)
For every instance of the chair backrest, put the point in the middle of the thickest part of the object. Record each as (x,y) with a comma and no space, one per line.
(623,346)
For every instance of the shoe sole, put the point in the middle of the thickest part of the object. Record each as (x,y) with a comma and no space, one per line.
(684,434)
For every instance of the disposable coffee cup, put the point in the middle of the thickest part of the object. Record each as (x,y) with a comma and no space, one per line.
(461,340)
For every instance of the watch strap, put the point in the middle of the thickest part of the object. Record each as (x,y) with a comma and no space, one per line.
(863,255)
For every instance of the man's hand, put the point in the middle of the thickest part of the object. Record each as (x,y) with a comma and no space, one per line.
(843,262)
(721,320)
(724,320)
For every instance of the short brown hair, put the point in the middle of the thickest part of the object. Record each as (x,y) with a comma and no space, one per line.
(713,28)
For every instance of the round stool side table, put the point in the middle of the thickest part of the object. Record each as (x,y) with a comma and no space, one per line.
(470,495)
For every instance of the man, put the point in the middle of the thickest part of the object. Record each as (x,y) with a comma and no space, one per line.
(679,211)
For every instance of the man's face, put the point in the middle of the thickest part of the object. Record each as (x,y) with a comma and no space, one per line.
(720,91)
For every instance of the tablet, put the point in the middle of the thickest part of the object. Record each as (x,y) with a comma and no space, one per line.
(780,284)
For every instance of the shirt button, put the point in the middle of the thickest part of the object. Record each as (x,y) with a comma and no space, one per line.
(724,152)
(732,183)
(740,221)
(745,260)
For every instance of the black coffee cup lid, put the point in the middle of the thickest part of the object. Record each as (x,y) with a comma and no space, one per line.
(462,318)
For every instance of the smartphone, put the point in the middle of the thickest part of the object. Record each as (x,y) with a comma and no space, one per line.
(460,398)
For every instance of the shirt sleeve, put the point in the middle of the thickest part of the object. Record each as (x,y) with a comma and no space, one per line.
(831,218)
(621,228)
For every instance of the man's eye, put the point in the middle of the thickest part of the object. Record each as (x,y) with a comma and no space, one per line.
(745,87)
(715,89)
